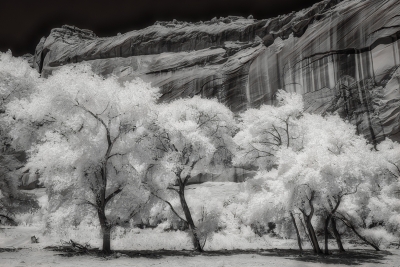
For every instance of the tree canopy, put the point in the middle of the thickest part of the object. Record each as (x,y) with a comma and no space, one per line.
(90,127)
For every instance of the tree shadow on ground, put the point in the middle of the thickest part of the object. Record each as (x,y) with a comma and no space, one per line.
(9,249)
(351,257)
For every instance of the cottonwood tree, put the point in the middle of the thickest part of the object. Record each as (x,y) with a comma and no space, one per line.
(264,131)
(335,163)
(321,161)
(188,137)
(389,153)
(88,149)
(373,213)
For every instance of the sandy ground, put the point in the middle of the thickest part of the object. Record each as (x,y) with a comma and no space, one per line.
(17,250)
(39,257)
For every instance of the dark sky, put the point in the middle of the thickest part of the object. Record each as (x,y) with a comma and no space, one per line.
(24,22)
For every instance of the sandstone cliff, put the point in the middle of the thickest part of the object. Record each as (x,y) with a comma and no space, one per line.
(341,55)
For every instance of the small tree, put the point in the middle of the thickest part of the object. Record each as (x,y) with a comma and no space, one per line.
(88,148)
(264,131)
(372,214)
(188,136)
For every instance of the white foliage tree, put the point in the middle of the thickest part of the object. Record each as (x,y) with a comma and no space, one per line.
(89,147)
(373,213)
(318,160)
(267,130)
(189,136)
(333,163)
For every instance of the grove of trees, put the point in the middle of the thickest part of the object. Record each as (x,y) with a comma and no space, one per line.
(111,151)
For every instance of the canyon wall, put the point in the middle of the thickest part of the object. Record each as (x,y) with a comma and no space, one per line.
(342,56)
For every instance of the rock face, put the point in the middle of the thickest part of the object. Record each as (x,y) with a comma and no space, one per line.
(341,55)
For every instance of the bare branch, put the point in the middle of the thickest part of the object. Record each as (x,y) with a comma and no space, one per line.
(9,219)
(98,119)
(395,165)
(170,205)
(117,154)
(116,192)
(266,152)
(173,189)
(191,168)
(350,193)
(138,208)
(105,108)
(87,202)
(394,175)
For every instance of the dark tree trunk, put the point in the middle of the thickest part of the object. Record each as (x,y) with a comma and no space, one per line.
(365,240)
(310,228)
(311,233)
(297,232)
(352,227)
(106,240)
(100,186)
(326,234)
(189,219)
(101,207)
(331,219)
(306,232)
(337,235)
(105,231)
(9,219)
(313,236)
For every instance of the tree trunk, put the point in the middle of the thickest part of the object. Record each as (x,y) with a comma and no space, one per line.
(310,228)
(105,231)
(351,226)
(99,189)
(365,240)
(306,232)
(328,219)
(337,235)
(326,233)
(101,207)
(106,240)
(297,232)
(189,219)
(312,234)
(313,237)
(9,219)
(333,222)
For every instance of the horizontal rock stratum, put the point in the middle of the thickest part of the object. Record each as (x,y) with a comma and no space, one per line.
(343,56)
